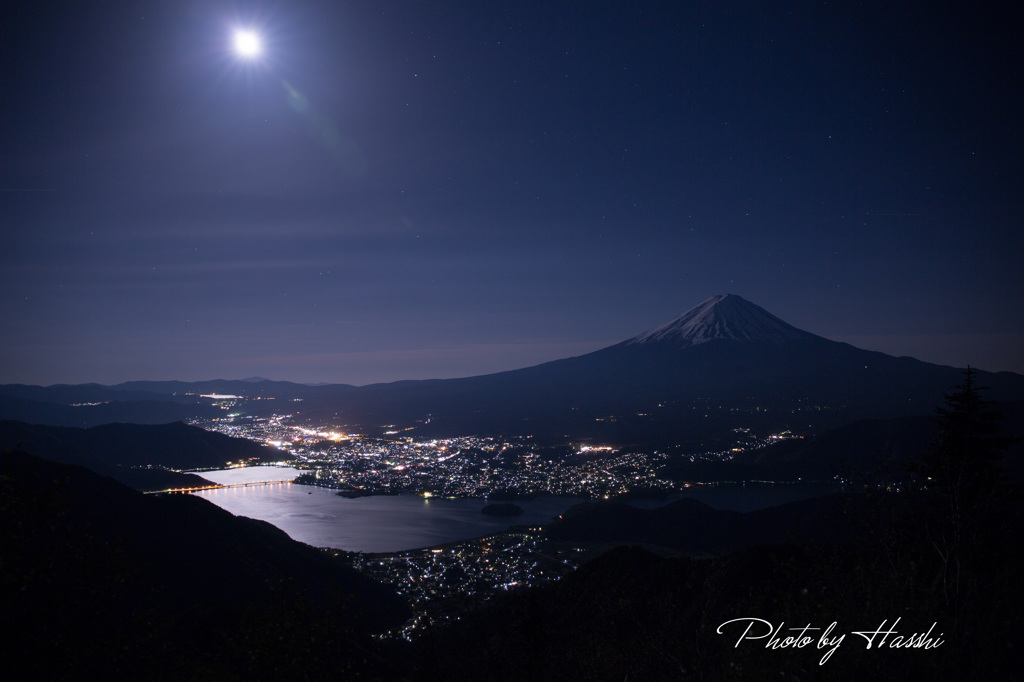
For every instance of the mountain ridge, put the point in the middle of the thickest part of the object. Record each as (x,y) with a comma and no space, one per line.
(724,363)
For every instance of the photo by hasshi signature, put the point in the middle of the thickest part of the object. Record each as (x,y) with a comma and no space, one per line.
(828,638)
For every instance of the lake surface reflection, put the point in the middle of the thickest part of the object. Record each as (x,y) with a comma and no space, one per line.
(382,523)
(322,518)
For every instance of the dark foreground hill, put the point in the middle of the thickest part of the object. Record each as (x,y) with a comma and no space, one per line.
(694,528)
(631,614)
(100,581)
(138,455)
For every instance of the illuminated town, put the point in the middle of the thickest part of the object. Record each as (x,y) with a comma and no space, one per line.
(443,582)
(466,466)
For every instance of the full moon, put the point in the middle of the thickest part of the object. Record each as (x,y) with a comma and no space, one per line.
(247,44)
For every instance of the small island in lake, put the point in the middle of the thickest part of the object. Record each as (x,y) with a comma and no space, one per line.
(502,509)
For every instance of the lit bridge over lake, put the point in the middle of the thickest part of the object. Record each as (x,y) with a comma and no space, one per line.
(218,486)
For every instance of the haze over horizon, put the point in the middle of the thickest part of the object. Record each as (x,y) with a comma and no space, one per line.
(379,191)
(702,315)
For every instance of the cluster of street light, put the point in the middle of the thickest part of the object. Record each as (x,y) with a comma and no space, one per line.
(442,583)
(466,466)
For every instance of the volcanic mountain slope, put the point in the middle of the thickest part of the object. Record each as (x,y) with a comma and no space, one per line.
(724,356)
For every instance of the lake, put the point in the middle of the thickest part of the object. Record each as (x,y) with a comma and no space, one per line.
(381,523)
(392,523)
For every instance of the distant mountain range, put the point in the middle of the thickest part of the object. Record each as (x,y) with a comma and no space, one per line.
(143,456)
(723,364)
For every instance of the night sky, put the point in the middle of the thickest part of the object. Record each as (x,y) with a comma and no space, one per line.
(399,190)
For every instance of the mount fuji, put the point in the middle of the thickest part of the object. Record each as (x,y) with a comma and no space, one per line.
(725,363)
(724,317)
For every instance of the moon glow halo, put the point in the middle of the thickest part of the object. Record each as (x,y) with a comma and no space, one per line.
(247,44)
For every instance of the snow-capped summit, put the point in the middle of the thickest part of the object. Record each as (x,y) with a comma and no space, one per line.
(725,316)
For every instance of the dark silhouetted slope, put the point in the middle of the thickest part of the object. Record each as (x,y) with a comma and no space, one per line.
(695,528)
(100,580)
(631,614)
